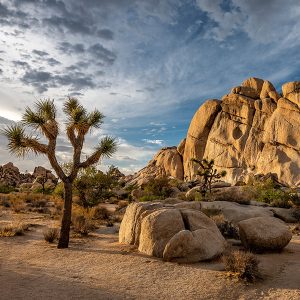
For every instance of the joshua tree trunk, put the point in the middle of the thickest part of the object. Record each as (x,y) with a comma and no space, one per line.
(66,220)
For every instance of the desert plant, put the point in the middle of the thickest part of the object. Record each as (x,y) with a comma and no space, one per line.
(79,122)
(51,234)
(6,189)
(242,264)
(228,229)
(207,174)
(94,186)
(81,225)
(17,205)
(268,192)
(13,229)
(156,188)
(101,213)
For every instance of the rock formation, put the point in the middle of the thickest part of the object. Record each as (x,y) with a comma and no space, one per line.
(174,233)
(11,176)
(252,130)
(167,162)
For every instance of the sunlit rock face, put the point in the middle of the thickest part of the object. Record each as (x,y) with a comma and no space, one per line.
(252,130)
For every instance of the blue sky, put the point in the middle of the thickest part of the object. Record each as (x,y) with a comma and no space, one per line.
(147,64)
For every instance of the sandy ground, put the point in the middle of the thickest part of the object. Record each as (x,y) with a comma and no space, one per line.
(98,267)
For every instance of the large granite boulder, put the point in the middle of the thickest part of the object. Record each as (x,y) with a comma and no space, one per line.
(264,234)
(131,220)
(201,240)
(157,229)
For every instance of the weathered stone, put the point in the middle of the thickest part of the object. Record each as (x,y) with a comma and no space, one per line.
(189,204)
(191,194)
(264,234)
(193,246)
(198,132)
(127,233)
(285,214)
(157,229)
(181,146)
(268,91)
(234,212)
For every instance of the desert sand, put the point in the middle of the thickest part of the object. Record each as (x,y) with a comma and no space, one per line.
(97,267)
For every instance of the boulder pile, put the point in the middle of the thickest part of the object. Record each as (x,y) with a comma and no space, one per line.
(252,130)
(172,233)
(10,175)
(182,233)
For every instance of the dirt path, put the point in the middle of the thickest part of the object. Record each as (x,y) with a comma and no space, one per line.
(99,268)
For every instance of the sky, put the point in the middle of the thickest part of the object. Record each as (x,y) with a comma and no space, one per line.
(146,64)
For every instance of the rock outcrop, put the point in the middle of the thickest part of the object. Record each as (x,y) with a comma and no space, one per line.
(252,130)
(10,175)
(167,162)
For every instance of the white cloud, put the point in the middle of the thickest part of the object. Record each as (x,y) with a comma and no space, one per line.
(155,142)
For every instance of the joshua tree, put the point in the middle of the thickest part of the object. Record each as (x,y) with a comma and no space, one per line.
(208,174)
(42,119)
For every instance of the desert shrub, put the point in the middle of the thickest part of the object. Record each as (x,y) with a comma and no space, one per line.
(268,192)
(101,213)
(156,188)
(6,189)
(59,190)
(242,264)
(4,200)
(82,221)
(51,234)
(228,229)
(13,229)
(147,198)
(17,205)
(94,186)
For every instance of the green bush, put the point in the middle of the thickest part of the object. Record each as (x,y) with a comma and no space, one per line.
(268,193)
(6,189)
(59,190)
(228,229)
(147,198)
(156,188)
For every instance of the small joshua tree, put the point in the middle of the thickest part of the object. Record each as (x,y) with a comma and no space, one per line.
(42,179)
(207,174)
(42,119)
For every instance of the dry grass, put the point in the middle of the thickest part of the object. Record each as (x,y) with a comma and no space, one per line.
(82,221)
(51,234)
(22,202)
(13,229)
(241,264)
